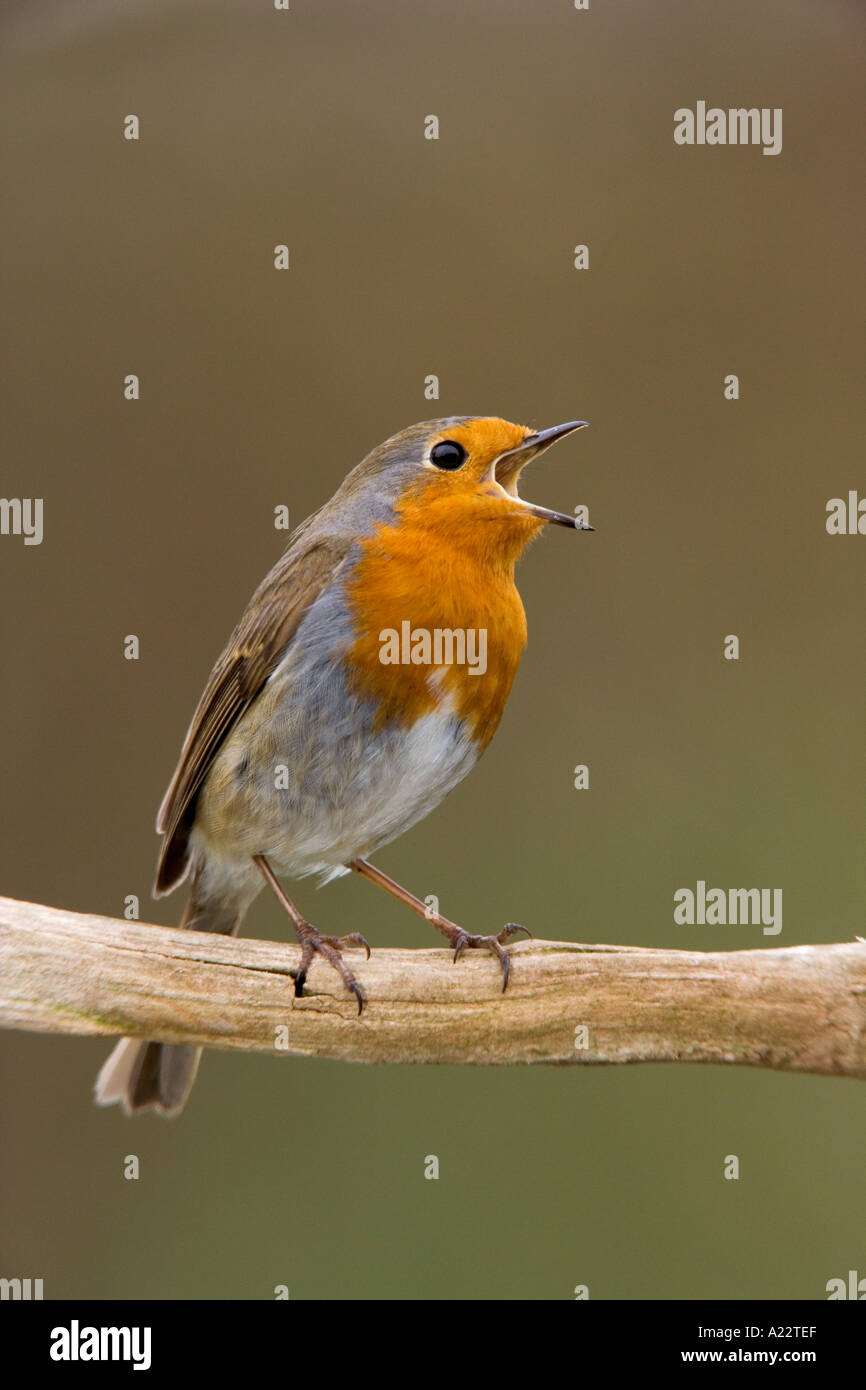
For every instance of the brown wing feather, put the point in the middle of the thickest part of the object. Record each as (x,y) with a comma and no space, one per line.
(253,651)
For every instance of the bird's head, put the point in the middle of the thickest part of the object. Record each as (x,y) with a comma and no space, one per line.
(459,477)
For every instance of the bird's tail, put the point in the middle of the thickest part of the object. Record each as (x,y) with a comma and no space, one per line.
(148,1075)
(142,1075)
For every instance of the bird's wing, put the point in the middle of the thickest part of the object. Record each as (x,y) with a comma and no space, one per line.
(254,650)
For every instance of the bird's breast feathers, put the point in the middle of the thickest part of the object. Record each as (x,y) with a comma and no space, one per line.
(432,627)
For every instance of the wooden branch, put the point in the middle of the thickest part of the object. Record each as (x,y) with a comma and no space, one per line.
(799,1008)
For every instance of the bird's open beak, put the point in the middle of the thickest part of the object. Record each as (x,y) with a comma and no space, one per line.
(509,466)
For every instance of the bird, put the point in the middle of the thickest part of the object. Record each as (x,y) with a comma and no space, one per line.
(340,712)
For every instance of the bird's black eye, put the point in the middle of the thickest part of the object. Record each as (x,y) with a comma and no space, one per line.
(448,454)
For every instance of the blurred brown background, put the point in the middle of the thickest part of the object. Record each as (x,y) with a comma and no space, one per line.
(411,257)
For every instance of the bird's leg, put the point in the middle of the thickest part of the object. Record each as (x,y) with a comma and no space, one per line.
(458,938)
(312,941)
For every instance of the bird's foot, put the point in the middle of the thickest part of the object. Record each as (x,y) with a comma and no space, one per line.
(464,941)
(314,943)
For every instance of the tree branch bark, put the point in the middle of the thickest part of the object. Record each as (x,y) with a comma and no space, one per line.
(799,1008)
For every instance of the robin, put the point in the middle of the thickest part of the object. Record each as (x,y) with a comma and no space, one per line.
(364,681)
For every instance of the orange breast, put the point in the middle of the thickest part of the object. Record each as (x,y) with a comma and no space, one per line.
(449,568)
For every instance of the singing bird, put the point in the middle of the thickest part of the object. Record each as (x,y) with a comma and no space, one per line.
(309,749)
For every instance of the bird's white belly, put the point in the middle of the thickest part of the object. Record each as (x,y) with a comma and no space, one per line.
(314,793)
(392,786)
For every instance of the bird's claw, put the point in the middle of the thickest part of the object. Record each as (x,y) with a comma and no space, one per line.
(467,941)
(314,943)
